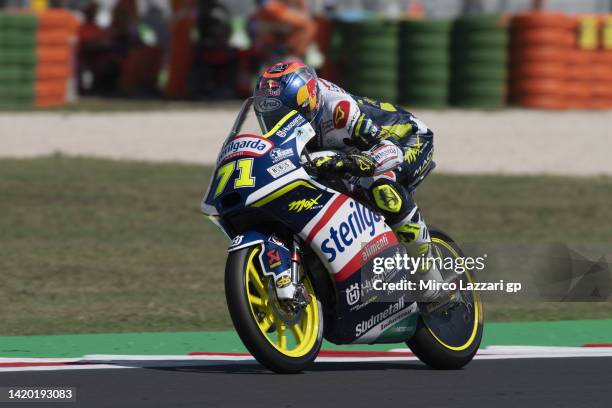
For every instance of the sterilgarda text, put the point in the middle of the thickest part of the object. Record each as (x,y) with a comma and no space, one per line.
(360,221)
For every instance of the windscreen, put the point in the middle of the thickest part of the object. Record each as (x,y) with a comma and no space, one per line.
(269,112)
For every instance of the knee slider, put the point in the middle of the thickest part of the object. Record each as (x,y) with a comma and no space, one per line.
(387,197)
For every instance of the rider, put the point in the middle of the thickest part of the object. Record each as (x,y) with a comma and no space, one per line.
(387,150)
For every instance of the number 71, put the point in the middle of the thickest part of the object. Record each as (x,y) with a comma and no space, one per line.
(245,177)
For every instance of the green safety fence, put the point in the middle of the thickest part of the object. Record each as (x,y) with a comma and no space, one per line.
(479,55)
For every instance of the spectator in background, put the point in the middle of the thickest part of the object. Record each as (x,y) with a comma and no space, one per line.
(285,27)
(124,27)
(214,69)
(140,62)
(98,70)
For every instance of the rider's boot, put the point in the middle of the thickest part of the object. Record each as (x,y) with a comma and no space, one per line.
(410,228)
(416,239)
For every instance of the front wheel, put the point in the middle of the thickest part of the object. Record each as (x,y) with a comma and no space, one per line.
(282,343)
(449,338)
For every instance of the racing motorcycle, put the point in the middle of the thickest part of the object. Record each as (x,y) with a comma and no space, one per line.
(291,228)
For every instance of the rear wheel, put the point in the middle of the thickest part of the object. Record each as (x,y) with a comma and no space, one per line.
(282,341)
(449,338)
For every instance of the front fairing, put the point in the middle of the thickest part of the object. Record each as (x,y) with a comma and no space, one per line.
(249,163)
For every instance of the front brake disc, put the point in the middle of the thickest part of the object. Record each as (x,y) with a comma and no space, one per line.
(289,317)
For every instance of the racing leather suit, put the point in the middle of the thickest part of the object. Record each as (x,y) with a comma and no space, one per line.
(396,144)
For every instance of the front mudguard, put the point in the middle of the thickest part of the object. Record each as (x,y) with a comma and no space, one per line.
(275,256)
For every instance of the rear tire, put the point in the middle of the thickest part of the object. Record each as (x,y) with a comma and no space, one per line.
(432,350)
(251,330)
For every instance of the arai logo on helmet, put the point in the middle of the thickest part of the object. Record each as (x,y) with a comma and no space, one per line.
(268,104)
(245,145)
(360,223)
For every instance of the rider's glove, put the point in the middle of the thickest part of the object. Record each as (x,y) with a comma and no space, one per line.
(356,164)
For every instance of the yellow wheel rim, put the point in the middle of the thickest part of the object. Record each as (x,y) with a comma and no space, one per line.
(477,306)
(293,341)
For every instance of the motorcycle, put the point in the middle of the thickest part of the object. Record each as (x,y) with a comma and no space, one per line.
(290,228)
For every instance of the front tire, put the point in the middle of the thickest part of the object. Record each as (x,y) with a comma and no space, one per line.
(433,342)
(280,347)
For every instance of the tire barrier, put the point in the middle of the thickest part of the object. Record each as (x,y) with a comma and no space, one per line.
(424,63)
(541,46)
(479,58)
(369,52)
(561,62)
(55,38)
(601,65)
(17,60)
(35,58)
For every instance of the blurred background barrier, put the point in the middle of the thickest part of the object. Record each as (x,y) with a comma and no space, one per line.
(36,58)
(542,47)
(370,52)
(479,62)
(17,60)
(467,53)
(424,69)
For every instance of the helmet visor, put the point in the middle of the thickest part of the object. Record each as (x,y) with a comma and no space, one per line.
(269,112)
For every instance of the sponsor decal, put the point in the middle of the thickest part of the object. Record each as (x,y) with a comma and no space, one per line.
(374,320)
(424,163)
(280,154)
(384,154)
(353,294)
(237,240)
(245,145)
(298,120)
(307,95)
(276,241)
(278,68)
(269,87)
(341,114)
(331,86)
(283,282)
(274,258)
(360,224)
(305,204)
(374,247)
(281,168)
(267,104)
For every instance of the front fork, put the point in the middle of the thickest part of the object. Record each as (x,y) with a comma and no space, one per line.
(296,259)
(302,298)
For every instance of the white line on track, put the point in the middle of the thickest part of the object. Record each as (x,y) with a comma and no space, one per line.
(102,361)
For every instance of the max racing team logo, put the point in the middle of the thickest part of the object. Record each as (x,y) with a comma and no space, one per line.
(341,113)
(245,145)
(305,204)
(360,223)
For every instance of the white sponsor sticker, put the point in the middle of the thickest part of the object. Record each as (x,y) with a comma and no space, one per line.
(280,154)
(281,168)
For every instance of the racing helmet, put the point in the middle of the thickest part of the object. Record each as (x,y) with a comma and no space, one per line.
(284,87)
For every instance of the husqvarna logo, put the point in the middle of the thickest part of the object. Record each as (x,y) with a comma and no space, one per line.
(353,294)
(245,146)
(360,223)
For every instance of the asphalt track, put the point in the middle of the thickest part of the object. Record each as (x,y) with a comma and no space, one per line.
(535,382)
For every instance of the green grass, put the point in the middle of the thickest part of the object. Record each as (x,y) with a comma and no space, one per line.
(104,246)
